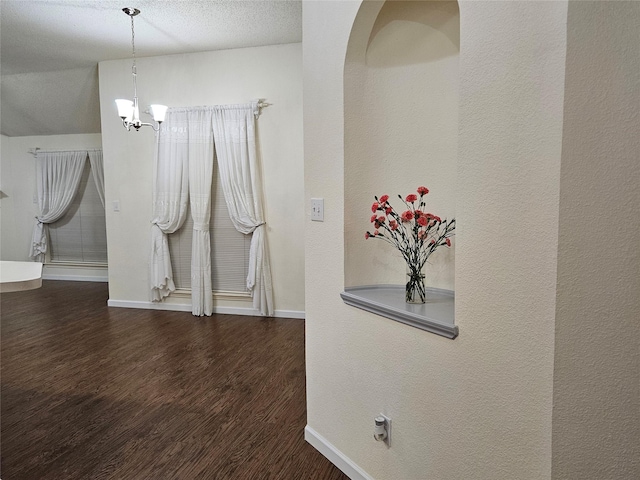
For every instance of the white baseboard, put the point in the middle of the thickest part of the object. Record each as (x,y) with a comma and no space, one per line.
(74,278)
(335,456)
(185,307)
(289,314)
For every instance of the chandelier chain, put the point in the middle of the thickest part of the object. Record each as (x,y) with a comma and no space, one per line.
(134,69)
(133,44)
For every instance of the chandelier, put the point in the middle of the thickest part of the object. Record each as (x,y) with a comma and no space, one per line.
(128,110)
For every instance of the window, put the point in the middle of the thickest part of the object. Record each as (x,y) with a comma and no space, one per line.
(80,236)
(229,248)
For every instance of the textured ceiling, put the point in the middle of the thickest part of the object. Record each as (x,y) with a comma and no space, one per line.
(49,49)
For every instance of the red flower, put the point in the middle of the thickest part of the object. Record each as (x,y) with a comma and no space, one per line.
(414,232)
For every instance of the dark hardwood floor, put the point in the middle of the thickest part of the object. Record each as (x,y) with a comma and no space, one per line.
(91,392)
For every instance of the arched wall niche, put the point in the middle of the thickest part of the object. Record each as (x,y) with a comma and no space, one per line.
(401,128)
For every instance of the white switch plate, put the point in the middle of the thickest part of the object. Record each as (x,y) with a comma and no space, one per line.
(317,209)
(116,206)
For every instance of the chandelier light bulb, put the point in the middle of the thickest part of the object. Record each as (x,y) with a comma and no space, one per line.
(125,109)
(159,112)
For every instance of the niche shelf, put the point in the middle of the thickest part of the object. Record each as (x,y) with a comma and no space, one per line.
(435,316)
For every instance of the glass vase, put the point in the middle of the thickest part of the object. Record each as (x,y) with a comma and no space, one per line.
(415,291)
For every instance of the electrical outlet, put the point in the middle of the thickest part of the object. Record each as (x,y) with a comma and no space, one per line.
(387,429)
(317,209)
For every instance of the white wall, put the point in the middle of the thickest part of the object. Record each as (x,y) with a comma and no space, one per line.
(210,78)
(479,406)
(19,207)
(596,395)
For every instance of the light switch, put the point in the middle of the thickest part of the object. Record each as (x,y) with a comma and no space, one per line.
(116,206)
(317,209)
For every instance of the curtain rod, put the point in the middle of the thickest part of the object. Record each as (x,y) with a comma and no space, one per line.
(34,151)
(259,103)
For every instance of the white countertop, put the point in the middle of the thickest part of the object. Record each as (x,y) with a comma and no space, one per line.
(16,276)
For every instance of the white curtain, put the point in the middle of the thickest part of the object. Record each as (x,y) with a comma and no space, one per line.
(58,176)
(170,196)
(200,178)
(97,171)
(235,143)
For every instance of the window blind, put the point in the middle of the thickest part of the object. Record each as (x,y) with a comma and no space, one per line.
(80,236)
(229,248)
